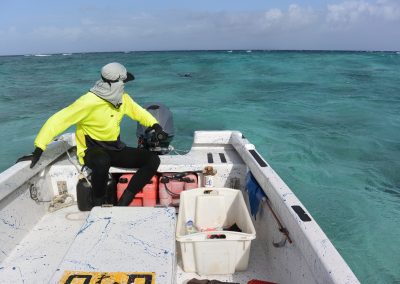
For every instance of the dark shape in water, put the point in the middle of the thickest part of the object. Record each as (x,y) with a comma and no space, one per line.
(187,75)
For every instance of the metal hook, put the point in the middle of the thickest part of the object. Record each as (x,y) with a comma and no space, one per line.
(285,233)
(280,244)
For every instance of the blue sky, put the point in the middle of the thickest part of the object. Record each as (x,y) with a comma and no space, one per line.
(44,26)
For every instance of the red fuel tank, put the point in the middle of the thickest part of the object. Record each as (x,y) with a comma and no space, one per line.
(147,197)
(172,184)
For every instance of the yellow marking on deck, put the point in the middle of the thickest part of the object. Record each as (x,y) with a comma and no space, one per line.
(89,277)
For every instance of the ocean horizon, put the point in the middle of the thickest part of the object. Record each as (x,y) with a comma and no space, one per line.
(328,122)
(67,53)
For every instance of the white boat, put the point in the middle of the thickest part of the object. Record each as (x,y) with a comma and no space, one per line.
(43,239)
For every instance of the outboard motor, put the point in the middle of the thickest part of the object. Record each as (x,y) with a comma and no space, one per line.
(148,139)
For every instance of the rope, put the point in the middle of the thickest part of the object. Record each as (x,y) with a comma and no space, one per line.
(60,201)
(68,216)
(176,151)
(81,174)
(66,199)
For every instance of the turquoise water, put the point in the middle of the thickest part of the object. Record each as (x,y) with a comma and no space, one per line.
(327,122)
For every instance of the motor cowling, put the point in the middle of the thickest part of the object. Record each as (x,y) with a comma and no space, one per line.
(147,139)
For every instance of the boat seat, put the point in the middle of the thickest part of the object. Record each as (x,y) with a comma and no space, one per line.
(124,239)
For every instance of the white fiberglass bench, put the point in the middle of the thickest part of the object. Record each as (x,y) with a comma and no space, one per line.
(124,239)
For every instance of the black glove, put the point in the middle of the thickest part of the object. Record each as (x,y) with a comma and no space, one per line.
(159,132)
(36,156)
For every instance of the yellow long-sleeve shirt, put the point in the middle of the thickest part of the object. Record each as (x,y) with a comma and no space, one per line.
(97,122)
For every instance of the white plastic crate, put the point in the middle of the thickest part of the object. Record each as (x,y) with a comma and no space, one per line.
(210,209)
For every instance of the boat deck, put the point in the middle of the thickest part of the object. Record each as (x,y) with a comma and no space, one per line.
(47,251)
(38,255)
(37,246)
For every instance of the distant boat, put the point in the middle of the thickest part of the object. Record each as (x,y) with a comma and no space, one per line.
(248,51)
(42,55)
(230,51)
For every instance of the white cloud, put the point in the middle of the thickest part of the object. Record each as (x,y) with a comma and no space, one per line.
(293,19)
(350,12)
(273,15)
(298,16)
(55,33)
(358,24)
(270,19)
